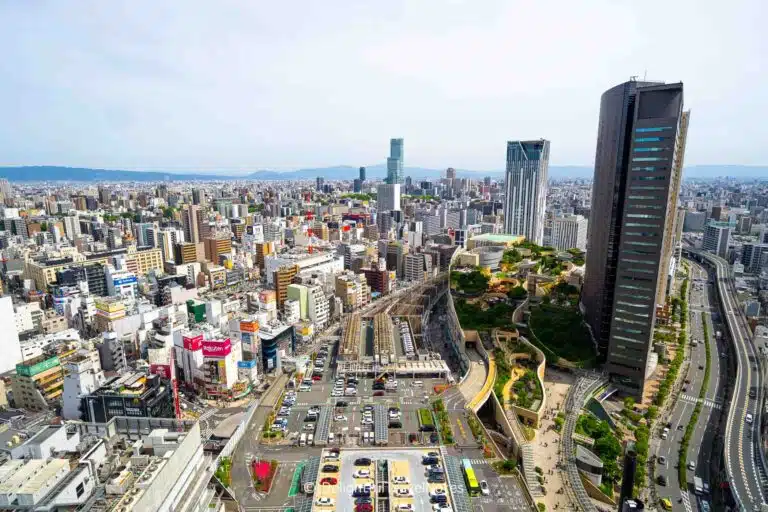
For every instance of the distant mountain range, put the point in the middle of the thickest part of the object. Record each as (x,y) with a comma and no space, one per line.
(339,172)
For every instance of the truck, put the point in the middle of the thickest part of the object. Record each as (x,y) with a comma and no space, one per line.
(698,485)
(303,439)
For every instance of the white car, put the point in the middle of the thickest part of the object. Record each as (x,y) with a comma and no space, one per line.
(400,480)
(324,502)
(309,427)
(691,465)
(484,488)
(363,473)
(441,508)
(748,418)
(403,492)
(340,417)
(405,507)
(438,492)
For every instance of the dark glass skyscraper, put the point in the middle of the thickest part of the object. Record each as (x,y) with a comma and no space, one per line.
(638,163)
(362,174)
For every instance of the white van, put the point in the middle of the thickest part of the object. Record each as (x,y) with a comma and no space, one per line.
(303,439)
(310,439)
(331,437)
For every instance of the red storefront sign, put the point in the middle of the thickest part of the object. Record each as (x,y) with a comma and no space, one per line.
(193,343)
(217,348)
(163,370)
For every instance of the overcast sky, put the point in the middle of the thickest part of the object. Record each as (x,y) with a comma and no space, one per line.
(229,85)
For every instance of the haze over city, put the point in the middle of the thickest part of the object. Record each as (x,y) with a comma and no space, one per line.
(235,86)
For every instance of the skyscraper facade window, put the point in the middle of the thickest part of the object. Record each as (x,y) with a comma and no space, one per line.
(638,163)
(395,162)
(525,199)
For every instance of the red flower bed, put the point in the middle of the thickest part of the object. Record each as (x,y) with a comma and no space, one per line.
(263,474)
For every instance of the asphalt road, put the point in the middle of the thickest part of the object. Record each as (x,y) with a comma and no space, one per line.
(742,445)
(700,446)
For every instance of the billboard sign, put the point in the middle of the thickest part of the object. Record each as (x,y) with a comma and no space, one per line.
(31,371)
(217,348)
(163,370)
(124,280)
(193,343)
(249,326)
(247,364)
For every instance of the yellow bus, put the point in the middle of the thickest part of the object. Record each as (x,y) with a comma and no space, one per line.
(473,487)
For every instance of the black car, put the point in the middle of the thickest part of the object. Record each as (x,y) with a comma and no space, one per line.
(440,498)
(363,461)
(330,468)
(437,478)
(395,424)
(378,387)
(363,501)
(428,461)
(361,493)
(433,454)
(661,480)
(341,403)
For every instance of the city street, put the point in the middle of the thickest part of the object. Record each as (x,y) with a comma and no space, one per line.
(701,445)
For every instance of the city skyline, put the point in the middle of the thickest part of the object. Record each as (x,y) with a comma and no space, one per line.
(109,91)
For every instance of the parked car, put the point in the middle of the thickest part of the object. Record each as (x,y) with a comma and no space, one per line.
(329,480)
(363,461)
(364,507)
(324,502)
(330,468)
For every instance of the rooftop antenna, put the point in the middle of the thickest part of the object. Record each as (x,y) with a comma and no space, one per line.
(645,72)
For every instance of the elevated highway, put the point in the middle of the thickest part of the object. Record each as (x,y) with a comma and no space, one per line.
(745,464)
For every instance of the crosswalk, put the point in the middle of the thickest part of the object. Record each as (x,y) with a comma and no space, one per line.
(478,462)
(686,502)
(707,402)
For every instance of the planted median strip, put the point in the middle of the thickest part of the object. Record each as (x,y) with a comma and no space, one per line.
(682,468)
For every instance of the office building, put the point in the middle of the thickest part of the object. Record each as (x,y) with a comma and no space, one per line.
(82,376)
(362,174)
(319,181)
(388,198)
(216,247)
(638,162)
(754,257)
(38,383)
(694,221)
(133,394)
(395,162)
(717,236)
(525,199)
(569,232)
(318,306)
(189,220)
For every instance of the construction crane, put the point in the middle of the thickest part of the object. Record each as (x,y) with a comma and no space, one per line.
(310,234)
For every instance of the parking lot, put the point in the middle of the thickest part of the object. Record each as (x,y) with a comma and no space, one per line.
(407,486)
(349,398)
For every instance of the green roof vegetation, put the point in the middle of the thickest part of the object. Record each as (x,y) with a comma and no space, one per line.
(561,330)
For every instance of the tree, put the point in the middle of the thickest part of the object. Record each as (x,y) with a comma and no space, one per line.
(517,293)
(629,403)
(168,212)
(43,226)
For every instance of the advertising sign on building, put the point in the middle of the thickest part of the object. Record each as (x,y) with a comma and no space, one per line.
(193,343)
(247,364)
(251,326)
(163,370)
(31,371)
(217,348)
